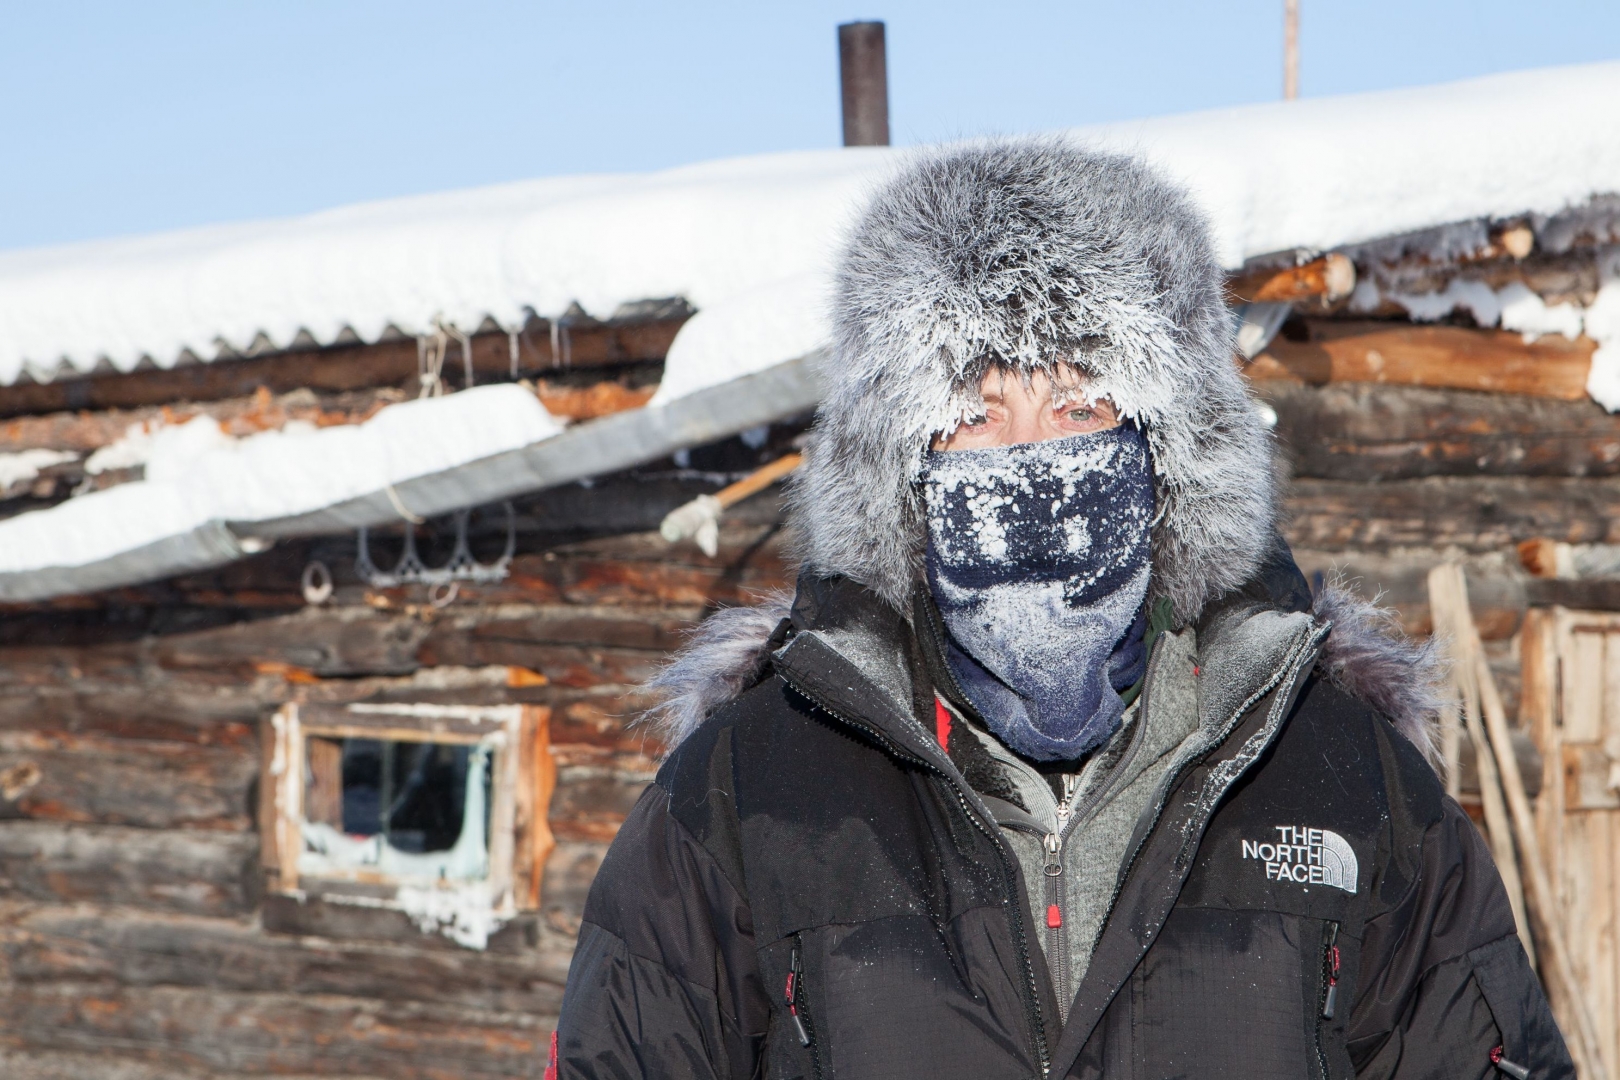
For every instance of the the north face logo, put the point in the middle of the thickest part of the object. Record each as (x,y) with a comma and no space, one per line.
(1308,856)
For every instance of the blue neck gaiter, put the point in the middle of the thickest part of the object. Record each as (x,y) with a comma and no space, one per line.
(1038,558)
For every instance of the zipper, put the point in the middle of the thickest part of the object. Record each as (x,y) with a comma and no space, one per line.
(1032,1004)
(1330,991)
(1172,782)
(791,994)
(1057,931)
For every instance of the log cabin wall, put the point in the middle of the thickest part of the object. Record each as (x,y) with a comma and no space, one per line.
(137,938)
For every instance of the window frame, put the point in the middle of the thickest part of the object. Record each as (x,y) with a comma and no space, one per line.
(523,777)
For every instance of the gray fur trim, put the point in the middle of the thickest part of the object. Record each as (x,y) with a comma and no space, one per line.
(724,653)
(1371,659)
(1028,254)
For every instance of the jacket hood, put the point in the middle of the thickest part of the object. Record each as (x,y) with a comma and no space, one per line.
(1028,254)
(1365,654)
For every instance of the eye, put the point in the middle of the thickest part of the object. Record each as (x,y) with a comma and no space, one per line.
(1082,414)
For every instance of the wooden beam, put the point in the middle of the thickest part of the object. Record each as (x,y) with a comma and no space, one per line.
(1368,432)
(350,367)
(1477,514)
(1435,356)
(1327,279)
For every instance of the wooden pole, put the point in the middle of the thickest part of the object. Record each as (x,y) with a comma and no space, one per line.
(1290,49)
(1585,1046)
(1453,621)
(863,75)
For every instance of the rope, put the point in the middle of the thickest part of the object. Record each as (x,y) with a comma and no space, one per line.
(399,507)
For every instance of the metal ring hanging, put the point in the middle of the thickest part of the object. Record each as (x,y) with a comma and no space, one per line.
(410,570)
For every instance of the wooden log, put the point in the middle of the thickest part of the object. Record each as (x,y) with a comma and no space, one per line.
(168,711)
(192,873)
(311,1035)
(1476,514)
(591,803)
(84,432)
(348,367)
(1367,432)
(125,782)
(1329,278)
(126,948)
(326,641)
(1436,356)
(56,1065)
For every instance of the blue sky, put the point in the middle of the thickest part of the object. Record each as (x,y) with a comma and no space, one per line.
(120,118)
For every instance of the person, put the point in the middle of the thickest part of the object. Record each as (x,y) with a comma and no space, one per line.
(1053,765)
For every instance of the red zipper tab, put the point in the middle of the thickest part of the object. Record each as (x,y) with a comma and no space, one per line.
(790,998)
(1054,916)
(1332,1000)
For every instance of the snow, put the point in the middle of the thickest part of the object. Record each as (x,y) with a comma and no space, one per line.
(750,242)
(24,465)
(195,473)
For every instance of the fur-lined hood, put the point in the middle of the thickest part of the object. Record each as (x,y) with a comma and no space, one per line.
(1029,254)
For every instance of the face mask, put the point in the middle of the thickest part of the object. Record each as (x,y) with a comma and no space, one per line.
(1038,557)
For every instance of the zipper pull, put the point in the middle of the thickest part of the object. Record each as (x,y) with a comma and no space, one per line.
(1054,846)
(790,996)
(1332,964)
(1511,1068)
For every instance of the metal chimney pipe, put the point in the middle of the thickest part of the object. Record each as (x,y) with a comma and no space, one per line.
(863,74)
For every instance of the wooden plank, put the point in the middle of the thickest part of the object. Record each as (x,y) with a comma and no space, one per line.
(1368,432)
(132,949)
(1331,277)
(239,1033)
(346,367)
(1476,514)
(539,770)
(1438,356)
(124,782)
(55,1065)
(323,790)
(195,873)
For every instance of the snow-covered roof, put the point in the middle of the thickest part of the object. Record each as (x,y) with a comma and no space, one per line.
(748,242)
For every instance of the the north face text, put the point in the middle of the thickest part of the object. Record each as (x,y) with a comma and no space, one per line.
(1307,856)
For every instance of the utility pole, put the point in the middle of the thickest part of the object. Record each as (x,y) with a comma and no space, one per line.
(1290,49)
(863,75)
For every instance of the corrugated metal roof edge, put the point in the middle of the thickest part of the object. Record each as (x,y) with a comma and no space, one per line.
(594,448)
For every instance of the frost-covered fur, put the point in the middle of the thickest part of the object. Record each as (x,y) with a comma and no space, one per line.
(723,655)
(1028,254)
(1368,657)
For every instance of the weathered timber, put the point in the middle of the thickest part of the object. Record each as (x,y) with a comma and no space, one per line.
(1439,356)
(1398,579)
(315,1035)
(326,641)
(56,1065)
(1473,513)
(1367,432)
(84,432)
(1329,278)
(170,711)
(591,803)
(125,782)
(327,918)
(48,944)
(191,872)
(346,368)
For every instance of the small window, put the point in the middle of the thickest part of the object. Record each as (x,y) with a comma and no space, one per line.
(437,811)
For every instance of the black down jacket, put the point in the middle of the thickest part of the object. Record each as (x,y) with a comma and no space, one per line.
(811,889)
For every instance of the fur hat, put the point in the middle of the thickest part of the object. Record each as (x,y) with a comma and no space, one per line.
(1029,254)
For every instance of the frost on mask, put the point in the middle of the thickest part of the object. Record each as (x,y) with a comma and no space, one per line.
(1038,557)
